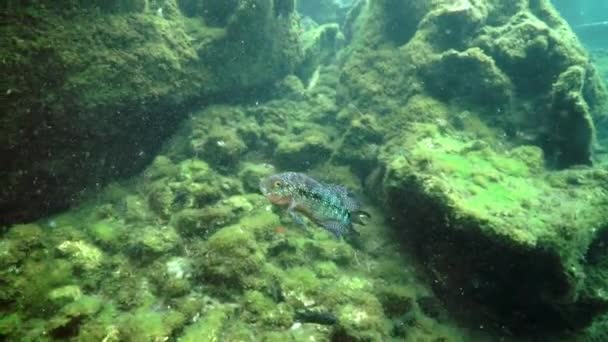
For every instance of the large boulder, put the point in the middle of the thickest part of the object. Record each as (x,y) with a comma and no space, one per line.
(515,65)
(497,231)
(92,89)
(485,107)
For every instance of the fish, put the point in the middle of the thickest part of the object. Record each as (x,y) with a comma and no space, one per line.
(330,206)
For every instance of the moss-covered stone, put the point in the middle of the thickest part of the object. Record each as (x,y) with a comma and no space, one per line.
(264,311)
(362,322)
(320,45)
(304,151)
(82,254)
(208,328)
(153,240)
(499,43)
(232,257)
(485,85)
(525,223)
(360,144)
(108,232)
(146,324)
(223,149)
(251,174)
(128,68)
(573,134)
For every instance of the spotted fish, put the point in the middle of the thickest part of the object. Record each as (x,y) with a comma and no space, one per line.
(330,206)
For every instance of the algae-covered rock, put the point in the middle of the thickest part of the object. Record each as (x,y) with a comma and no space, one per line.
(511,53)
(82,254)
(129,70)
(251,174)
(161,167)
(360,144)
(321,45)
(362,322)
(67,322)
(10,325)
(262,310)
(573,134)
(522,234)
(231,257)
(485,84)
(146,324)
(65,294)
(208,328)
(24,238)
(304,151)
(205,221)
(202,222)
(223,149)
(107,232)
(154,240)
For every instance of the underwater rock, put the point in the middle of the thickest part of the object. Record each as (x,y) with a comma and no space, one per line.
(65,294)
(251,174)
(261,309)
(303,152)
(231,257)
(360,144)
(129,69)
(485,85)
(325,11)
(362,322)
(223,149)
(512,53)
(573,129)
(147,324)
(320,46)
(154,240)
(160,198)
(513,234)
(109,233)
(202,222)
(23,238)
(82,254)
(209,327)
(161,167)
(396,300)
(171,278)
(291,87)
(67,322)
(205,221)
(178,268)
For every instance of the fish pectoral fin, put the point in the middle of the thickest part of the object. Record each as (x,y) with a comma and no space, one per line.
(297,218)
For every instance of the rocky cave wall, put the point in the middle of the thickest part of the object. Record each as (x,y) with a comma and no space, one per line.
(93,88)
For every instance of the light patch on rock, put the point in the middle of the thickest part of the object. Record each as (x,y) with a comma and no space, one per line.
(82,254)
(178,268)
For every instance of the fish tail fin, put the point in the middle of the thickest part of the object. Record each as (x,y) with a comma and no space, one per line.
(361,217)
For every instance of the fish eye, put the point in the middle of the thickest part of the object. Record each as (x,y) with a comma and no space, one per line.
(276,184)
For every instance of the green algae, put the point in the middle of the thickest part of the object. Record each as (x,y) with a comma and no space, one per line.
(107,232)
(491,194)
(209,327)
(148,325)
(232,257)
(128,68)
